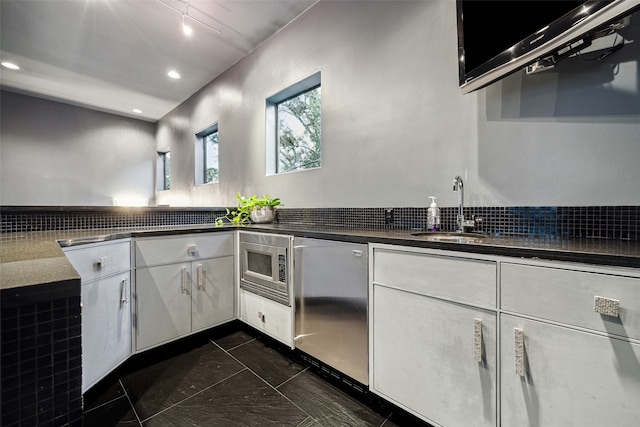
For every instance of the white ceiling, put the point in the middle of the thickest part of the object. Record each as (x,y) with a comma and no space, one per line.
(114,55)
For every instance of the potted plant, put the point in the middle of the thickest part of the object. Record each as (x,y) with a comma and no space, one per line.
(254,208)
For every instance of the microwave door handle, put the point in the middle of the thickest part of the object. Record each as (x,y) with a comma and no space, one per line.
(275,265)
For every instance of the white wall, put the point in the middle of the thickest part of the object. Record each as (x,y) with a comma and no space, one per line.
(53,154)
(396,128)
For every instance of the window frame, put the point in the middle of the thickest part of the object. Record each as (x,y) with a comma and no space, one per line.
(200,168)
(272,122)
(162,176)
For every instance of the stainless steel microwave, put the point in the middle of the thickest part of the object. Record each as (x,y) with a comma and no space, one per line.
(264,265)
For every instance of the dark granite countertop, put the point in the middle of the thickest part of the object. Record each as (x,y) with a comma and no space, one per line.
(607,252)
(36,257)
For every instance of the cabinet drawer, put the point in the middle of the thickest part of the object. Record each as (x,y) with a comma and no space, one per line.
(182,248)
(459,279)
(100,260)
(568,296)
(270,317)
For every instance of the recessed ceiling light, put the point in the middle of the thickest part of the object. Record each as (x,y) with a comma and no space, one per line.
(137,111)
(173,74)
(10,65)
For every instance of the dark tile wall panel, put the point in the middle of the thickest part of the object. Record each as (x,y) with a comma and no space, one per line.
(23,220)
(607,222)
(41,356)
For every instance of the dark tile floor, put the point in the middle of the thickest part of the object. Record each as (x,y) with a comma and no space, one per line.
(230,376)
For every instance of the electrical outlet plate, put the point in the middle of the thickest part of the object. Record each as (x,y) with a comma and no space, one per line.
(388,216)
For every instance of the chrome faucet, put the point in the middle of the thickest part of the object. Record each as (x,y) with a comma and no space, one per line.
(458,186)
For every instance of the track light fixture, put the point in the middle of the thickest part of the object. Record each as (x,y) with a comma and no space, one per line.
(186,29)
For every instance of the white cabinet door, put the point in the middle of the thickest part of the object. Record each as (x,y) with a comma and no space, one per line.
(212,292)
(163,304)
(570,377)
(106,326)
(434,358)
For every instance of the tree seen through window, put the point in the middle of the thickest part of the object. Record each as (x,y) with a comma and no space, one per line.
(299,131)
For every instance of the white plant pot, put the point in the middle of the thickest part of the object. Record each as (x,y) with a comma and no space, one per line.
(262,215)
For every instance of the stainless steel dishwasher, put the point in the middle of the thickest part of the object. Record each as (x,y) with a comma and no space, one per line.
(330,291)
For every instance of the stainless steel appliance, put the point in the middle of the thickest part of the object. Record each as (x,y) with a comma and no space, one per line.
(331,304)
(265,265)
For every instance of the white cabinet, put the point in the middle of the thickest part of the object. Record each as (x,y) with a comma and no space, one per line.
(184,284)
(563,363)
(568,337)
(429,353)
(106,314)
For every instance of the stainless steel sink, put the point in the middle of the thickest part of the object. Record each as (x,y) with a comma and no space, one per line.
(451,236)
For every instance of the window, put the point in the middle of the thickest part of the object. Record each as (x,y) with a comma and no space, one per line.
(207,156)
(164,171)
(294,136)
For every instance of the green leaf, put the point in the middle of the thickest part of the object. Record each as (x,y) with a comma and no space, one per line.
(242,215)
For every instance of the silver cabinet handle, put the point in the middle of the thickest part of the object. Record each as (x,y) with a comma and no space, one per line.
(103,261)
(519,351)
(184,280)
(191,250)
(200,278)
(477,340)
(261,316)
(606,306)
(123,292)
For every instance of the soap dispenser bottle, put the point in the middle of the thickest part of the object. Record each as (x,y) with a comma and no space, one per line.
(433,216)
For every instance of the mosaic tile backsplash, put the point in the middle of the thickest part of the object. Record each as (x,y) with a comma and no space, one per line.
(23,219)
(606,222)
